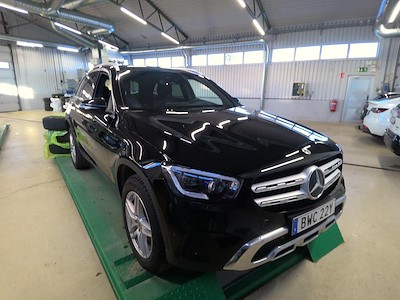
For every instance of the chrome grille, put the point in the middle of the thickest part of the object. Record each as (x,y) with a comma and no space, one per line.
(331,173)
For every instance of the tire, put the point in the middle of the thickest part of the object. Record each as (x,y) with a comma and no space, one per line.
(77,158)
(142,226)
(55,123)
(54,149)
(63,138)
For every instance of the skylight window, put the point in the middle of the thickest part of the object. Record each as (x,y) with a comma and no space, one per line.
(363,50)
(254,57)
(334,51)
(283,55)
(307,53)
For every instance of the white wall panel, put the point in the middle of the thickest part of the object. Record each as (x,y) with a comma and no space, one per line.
(43,71)
(8,90)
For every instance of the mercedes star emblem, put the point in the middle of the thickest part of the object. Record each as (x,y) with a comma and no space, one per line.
(316,183)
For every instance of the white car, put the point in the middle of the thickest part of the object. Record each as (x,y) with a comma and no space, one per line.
(392,134)
(378,115)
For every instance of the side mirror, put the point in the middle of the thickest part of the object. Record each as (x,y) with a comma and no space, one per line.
(93,104)
(237,101)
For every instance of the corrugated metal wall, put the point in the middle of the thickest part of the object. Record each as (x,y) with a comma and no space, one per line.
(322,76)
(8,89)
(41,72)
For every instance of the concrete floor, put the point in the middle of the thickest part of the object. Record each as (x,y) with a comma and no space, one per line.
(45,252)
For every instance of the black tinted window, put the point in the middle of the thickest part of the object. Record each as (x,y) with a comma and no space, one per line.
(85,91)
(169,90)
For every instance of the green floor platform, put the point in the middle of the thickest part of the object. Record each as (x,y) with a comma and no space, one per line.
(100,208)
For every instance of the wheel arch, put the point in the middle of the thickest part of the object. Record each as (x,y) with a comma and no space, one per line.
(125,168)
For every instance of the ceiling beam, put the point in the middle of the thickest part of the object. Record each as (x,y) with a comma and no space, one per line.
(161,22)
(257,12)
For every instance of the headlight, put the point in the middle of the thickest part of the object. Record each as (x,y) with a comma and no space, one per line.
(199,184)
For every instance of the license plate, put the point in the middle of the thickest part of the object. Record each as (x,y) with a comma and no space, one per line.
(310,218)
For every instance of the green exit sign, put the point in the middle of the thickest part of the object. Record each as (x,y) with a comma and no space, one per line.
(362,69)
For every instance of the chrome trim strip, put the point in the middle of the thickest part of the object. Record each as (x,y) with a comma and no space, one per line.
(279,183)
(331,166)
(281,198)
(242,259)
(331,179)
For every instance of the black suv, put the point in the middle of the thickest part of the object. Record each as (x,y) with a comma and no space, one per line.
(205,183)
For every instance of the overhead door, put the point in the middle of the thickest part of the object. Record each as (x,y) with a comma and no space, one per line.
(8,88)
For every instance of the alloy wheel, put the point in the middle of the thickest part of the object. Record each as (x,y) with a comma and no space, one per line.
(138,224)
(72,147)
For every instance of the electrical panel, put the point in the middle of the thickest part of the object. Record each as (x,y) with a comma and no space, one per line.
(299,89)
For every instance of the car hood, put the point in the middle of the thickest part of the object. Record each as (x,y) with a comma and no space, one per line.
(231,141)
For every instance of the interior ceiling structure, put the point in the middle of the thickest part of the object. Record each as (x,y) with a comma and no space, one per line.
(197,22)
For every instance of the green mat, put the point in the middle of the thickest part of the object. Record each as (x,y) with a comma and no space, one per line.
(325,243)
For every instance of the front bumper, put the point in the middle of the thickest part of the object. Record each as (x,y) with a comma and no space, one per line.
(244,257)
(392,141)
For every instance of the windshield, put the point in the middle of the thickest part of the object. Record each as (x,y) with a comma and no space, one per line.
(171,91)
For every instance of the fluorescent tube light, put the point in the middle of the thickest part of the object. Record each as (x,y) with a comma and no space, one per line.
(170,38)
(68,49)
(13,8)
(132,15)
(67,28)
(109,46)
(258,26)
(242,3)
(28,44)
(395,13)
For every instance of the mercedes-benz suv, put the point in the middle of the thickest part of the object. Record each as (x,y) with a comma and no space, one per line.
(205,183)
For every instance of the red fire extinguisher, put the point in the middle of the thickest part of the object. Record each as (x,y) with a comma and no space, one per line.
(333,105)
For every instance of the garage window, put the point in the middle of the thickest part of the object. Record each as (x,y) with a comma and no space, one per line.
(334,51)
(4,65)
(307,53)
(363,50)
(138,62)
(199,60)
(164,62)
(178,61)
(283,55)
(234,58)
(216,59)
(151,62)
(254,57)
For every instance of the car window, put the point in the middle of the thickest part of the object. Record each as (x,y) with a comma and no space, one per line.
(204,93)
(86,89)
(170,90)
(103,87)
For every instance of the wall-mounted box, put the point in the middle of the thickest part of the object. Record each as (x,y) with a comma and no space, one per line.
(299,89)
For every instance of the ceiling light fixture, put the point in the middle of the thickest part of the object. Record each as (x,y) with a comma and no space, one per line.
(132,15)
(258,26)
(395,13)
(109,46)
(68,49)
(170,38)
(68,28)
(13,8)
(242,3)
(29,44)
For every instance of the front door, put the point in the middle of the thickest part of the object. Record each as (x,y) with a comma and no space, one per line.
(357,94)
